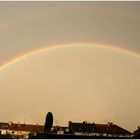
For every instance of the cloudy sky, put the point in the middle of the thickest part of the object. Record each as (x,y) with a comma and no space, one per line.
(91,74)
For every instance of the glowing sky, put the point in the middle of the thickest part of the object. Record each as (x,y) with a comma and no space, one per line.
(75,82)
(84,82)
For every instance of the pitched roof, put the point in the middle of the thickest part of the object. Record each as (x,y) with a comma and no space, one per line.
(97,128)
(4,125)
(22,127)
(111,129)
(27,127)
(81,127)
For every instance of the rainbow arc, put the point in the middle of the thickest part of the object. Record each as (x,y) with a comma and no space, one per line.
(22,56)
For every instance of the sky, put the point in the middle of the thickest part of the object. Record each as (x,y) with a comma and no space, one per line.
(91,74)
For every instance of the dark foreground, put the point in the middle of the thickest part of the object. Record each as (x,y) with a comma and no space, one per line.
(60,136)
(69,136)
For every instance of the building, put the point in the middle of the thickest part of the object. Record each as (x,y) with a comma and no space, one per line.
(17,130)
(73,130)
(4,128)
(98,130)
(60,130)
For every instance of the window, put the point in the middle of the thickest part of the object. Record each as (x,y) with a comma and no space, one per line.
(67,129)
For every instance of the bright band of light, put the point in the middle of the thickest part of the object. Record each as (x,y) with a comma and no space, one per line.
(45,48)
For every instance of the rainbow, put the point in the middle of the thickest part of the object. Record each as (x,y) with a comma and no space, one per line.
(23,20)
(34,51)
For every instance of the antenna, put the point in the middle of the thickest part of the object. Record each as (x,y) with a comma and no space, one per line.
(48,122)
(24,120)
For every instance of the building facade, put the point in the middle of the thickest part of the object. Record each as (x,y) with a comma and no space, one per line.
(74,129)
(101,130)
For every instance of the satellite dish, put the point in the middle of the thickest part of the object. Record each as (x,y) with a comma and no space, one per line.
(48,122)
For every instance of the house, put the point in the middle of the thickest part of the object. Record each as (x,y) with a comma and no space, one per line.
(73,130)
(17,130)
(60,130)
(101,130)
(4,128)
